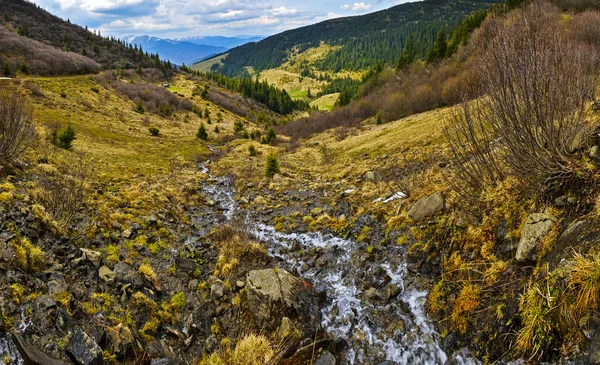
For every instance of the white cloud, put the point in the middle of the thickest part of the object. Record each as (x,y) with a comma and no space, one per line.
(357,7)
(283,11)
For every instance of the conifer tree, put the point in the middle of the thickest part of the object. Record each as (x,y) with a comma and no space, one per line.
(201,134)
(272,165)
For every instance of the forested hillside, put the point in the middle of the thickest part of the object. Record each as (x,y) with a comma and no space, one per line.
(366,40)
(29,20)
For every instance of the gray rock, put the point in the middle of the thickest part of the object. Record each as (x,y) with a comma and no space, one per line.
(275,293)
(94,257)
(212,343)
(326,358)
(116,226)
(82,350)
(33,356)
(426,207)
(216,291)
(185,265)
(561,201)
(240,284)
(164,361)
(107,274)
(125,274)
(536,227)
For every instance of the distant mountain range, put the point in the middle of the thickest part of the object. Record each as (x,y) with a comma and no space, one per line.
(189,49)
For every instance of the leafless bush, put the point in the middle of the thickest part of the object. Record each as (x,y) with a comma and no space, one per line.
(408,172)
(154,98)
(529,124)
(65,193)
(577,4)
(585,27)
(41,59)
(16,128)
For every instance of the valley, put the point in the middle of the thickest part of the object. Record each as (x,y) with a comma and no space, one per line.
(436,203)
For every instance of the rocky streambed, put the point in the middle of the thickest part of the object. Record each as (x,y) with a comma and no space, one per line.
(374,309)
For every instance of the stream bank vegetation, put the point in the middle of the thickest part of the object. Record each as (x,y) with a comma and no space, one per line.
(524,146)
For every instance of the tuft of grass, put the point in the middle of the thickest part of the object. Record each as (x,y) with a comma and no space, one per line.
(466,302)
(250,350)
(536,308)
(27,256)
(584,283)
(147,271)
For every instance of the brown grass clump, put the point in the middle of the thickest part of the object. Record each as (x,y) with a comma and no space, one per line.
(235,246)
(467,300)
(584,284)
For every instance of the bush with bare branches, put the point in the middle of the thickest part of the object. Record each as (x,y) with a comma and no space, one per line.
(537,83)
(65,192)
(16,128)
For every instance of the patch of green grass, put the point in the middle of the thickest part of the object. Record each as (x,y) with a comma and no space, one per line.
(325,102)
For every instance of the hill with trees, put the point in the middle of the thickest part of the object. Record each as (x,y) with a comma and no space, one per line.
(365,40)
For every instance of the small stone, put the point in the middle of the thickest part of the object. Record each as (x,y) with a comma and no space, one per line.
(216,291)
(427,206)
(107,274)
(561,201)
(94,257)
(116,226)
(127,234)
(212,343)
(370,176)
(244,200)
(326,358)
(240,284)
(286,327)
(185,265)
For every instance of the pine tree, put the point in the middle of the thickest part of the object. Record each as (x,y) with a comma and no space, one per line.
(272,165)
(378,118)
(201,134)
(217,129)
(438,52)
(409,53)
(6,69)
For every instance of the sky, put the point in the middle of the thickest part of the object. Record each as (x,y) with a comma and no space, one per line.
(181,18)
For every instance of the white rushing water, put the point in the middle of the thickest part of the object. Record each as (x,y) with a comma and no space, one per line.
(348,315)
(8,353)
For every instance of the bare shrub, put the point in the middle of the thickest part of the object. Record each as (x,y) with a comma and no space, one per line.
(65,193)
(42,59)
(16,128)
(408,172)
(536,83)
(585,27)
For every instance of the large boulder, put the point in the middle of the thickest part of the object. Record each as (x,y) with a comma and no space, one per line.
(426,207)
(33,356)
(536,227)
(275,293)
(82,350)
